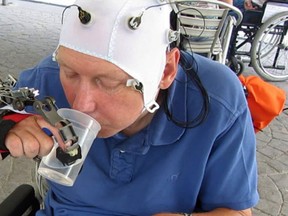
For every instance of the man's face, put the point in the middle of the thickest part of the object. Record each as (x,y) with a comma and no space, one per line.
(98,88)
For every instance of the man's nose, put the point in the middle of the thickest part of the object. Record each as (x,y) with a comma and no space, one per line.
(84,99)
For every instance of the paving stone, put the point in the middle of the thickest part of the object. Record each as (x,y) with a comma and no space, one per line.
(271,152)
(264,168)
(279,144)
(278,165)
(284,210)
(264,135)
(280,180)
(273,195)
(268,208)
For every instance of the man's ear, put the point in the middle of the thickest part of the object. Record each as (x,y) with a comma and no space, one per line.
(171,68)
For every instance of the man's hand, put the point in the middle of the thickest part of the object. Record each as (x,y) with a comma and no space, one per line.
(28,139)
(248,5)
(215,212)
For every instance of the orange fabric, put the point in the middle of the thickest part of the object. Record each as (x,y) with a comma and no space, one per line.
(265,100)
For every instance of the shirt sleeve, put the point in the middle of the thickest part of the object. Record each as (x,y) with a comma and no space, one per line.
(6,123)
(5,126)
(231,175)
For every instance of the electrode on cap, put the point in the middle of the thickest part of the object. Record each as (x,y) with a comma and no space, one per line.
(173,35)
(84,16)
(135,84)
(135,21)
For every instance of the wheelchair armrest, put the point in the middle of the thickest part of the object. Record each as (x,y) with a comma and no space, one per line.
(22,201)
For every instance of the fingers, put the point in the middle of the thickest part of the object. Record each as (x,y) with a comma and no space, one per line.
(27,138)
(14,144)
(248,5)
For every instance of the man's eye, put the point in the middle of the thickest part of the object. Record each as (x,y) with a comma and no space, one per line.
(67,72)
(109,86)
(70,75)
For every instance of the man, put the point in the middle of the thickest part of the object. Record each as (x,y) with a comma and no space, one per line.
(248,4)
(253,5)
(252,10)
(176,134)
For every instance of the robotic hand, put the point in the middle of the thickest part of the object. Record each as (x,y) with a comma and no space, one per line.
(22,97)
(19,98)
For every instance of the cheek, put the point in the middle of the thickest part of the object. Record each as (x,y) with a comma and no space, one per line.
(116,115)
(116,119)
(69,89)
(124,108)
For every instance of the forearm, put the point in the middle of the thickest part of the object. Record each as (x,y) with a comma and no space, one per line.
(226,212)
(216,212)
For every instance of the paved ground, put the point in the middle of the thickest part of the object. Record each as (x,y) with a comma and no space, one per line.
(29,32)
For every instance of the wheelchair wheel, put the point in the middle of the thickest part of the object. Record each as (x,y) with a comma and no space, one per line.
(269,52)
(236,65)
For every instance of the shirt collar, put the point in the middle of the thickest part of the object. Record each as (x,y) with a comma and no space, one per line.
(161,130)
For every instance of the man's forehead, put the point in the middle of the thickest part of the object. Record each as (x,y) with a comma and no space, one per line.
(63,54)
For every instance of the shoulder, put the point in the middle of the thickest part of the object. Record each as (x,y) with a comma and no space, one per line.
(45,68)
(220,82)
(45,78)
(212,71)
(226,98)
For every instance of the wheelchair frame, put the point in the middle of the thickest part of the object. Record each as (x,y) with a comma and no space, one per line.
(269,44)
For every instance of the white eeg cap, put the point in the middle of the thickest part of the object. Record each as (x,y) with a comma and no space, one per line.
(140,52)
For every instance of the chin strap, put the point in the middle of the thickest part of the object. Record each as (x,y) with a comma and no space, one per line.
(138,86)
(152,106)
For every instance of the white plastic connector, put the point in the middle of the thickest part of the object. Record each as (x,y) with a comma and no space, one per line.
(135,84)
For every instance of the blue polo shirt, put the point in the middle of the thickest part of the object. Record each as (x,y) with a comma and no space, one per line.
(164,167)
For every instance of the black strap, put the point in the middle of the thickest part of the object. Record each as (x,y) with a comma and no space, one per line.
(5,126)
(4,112)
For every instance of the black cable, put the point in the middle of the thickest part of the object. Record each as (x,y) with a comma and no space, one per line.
(191,73)
(63,12)
(202,17)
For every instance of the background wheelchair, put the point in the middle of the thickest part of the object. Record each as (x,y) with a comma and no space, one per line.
(206,27)
(262,37)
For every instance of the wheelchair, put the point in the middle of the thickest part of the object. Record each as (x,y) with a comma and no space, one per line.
(21,202)
(264,44)
(26,199)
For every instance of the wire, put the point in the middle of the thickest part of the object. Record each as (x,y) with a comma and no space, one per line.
(191,72)
(63,12)
(201,15)
(179,20)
